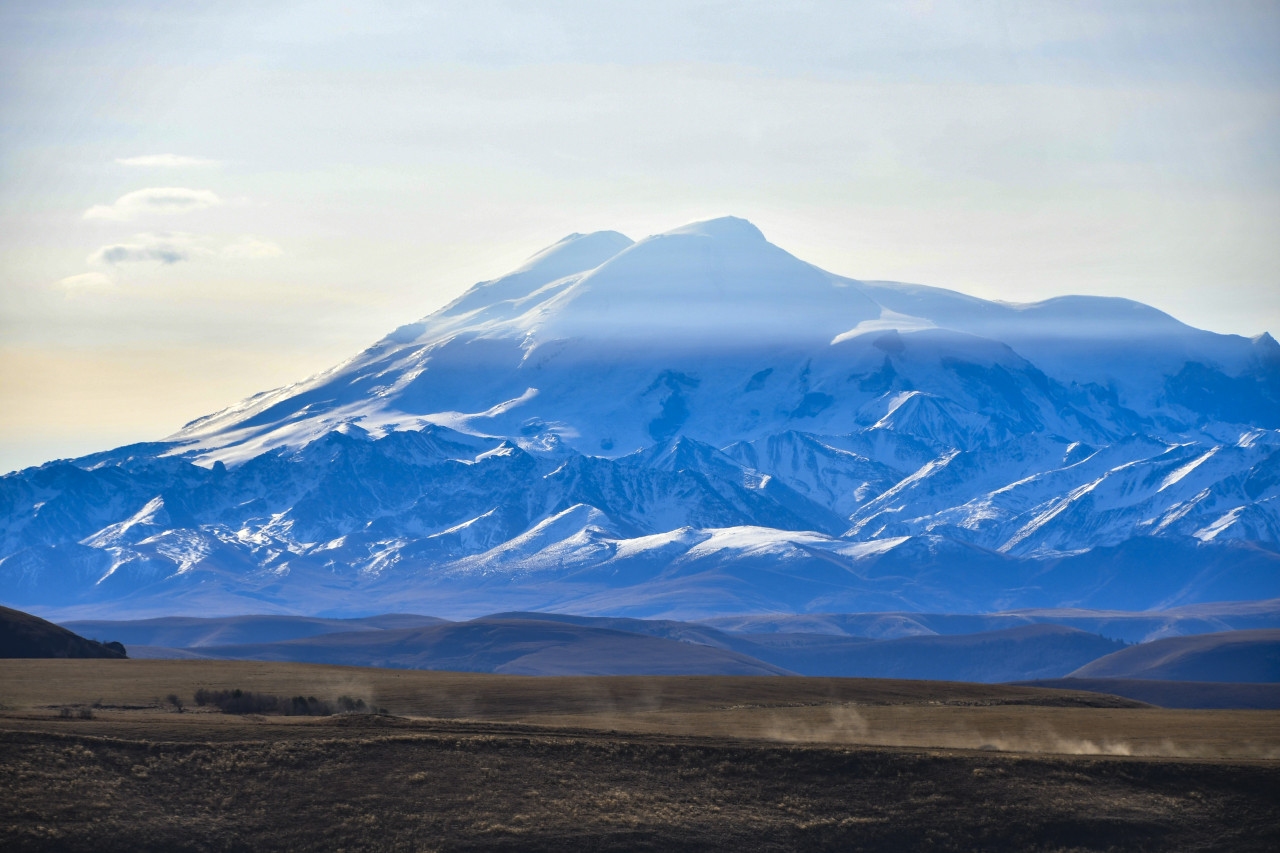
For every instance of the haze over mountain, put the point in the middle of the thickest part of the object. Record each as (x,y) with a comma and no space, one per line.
(1007,647)
(1132,627)
(694,424)
(512,646)
(561,644)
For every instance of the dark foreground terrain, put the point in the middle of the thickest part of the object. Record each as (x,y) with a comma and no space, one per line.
(23,635)
(626,764)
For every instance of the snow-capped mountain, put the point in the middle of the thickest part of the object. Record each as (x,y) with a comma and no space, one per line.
(695,423)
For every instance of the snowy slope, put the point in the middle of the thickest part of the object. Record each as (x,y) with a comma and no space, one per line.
(697,422)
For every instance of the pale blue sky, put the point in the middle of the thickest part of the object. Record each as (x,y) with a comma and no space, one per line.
(339,169)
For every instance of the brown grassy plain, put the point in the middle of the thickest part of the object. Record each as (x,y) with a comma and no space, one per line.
(473,761)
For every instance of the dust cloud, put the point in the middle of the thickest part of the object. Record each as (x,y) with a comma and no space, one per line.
(846,725)
(838,723)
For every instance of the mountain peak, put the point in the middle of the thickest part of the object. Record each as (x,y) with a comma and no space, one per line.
(575,253)
(729,228)
(707,285)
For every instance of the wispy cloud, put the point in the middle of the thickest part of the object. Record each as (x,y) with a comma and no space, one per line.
(164,248)
(165,161)
(154,200)
(175,247)
(249,247)
(88,279)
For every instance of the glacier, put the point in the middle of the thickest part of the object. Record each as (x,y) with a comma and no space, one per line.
(697,423)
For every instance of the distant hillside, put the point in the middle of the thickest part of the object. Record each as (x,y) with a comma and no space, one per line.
(186,632)
(1021,652)
(1025,652)
(25,636)
(552,643)
(1134,627)
(1173,694)
(512,646)
(1240,656)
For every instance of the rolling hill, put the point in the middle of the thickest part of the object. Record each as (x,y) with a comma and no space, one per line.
(25,636)
(1239,656)
(550,643)
(510,646)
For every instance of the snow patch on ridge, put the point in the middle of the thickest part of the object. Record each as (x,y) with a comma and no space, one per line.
(1211,532)
(1187,469)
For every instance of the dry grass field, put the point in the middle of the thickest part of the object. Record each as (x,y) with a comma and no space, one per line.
(470,761)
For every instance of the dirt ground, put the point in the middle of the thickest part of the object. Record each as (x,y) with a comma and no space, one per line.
(482,762)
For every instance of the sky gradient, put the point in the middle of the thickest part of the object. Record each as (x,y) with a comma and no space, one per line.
(196,205)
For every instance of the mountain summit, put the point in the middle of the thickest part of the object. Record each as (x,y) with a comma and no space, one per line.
(693,423)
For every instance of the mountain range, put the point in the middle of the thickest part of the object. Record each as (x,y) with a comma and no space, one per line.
(693,425)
